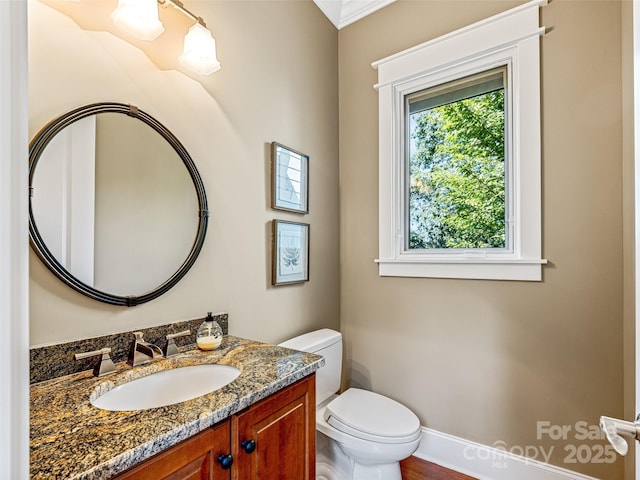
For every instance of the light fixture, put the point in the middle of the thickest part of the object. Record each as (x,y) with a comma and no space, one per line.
(199,53)
(140,18)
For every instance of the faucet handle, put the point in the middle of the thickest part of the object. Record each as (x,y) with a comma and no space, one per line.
(104,366)
(171,349)
(138,335)
(183,333)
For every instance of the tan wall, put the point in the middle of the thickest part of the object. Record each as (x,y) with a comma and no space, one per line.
(486,360)
(267,90)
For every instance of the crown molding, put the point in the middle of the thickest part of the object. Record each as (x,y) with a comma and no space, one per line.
(344,12)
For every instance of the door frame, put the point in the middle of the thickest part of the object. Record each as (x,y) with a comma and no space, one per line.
(14,242)
(634,58)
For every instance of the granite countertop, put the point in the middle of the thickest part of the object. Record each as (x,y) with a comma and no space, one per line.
(72,439)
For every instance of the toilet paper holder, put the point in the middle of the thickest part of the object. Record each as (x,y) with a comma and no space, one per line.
(615,429)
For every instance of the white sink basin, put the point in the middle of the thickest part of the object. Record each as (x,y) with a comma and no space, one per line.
(167,387)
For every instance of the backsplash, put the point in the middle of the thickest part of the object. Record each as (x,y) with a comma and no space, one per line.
(58,360)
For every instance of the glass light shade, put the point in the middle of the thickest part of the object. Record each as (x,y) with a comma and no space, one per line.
(199,53)
(138,18)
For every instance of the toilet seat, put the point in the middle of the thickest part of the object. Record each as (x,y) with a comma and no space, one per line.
(371,416)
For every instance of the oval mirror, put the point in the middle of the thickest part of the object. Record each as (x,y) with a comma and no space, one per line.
(117,208)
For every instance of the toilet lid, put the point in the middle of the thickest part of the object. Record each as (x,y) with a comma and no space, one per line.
(372,416)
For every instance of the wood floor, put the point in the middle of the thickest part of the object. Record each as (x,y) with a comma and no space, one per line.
(414,468)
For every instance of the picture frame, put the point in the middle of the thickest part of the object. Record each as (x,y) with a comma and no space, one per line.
(290,251)
(289,179)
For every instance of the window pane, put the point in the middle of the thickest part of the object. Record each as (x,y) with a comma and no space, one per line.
(456,165)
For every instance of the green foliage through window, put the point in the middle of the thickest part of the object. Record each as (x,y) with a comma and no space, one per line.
(457,174)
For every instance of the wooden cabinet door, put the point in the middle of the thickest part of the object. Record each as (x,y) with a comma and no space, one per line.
(282,428)
(193,459)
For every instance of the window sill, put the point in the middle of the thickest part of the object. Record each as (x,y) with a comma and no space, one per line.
(464,268)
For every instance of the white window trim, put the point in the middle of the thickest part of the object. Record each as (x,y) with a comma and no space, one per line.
(510,38)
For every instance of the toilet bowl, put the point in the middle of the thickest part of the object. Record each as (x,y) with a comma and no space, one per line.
(360,435)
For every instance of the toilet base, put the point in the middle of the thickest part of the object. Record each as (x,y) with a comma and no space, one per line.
(332,463)
(389,471)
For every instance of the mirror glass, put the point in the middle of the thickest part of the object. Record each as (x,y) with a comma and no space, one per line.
(115,204)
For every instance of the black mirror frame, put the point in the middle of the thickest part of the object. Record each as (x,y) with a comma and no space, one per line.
(36,148)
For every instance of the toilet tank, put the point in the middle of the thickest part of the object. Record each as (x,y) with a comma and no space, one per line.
(328,343)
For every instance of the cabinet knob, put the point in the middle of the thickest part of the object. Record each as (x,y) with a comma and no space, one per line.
(225,461)
(248,445)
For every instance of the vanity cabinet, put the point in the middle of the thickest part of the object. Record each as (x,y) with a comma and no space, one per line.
(276,438)
(272,439)
(192,459)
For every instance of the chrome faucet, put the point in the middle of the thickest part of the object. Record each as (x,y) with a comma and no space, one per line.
(142,352)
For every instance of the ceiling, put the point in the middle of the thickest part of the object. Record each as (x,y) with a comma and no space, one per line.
(344,12)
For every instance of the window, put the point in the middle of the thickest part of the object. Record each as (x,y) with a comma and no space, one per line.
(455,157)
(460,153)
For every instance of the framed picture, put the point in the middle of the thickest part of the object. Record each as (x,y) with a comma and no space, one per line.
(289,179)
(290,252)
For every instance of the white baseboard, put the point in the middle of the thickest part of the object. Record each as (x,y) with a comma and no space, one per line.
(486,463)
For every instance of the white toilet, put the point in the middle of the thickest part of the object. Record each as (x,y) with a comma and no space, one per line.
(361,435)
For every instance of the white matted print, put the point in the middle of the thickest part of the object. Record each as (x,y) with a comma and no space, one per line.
(290,252)
(290,179)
